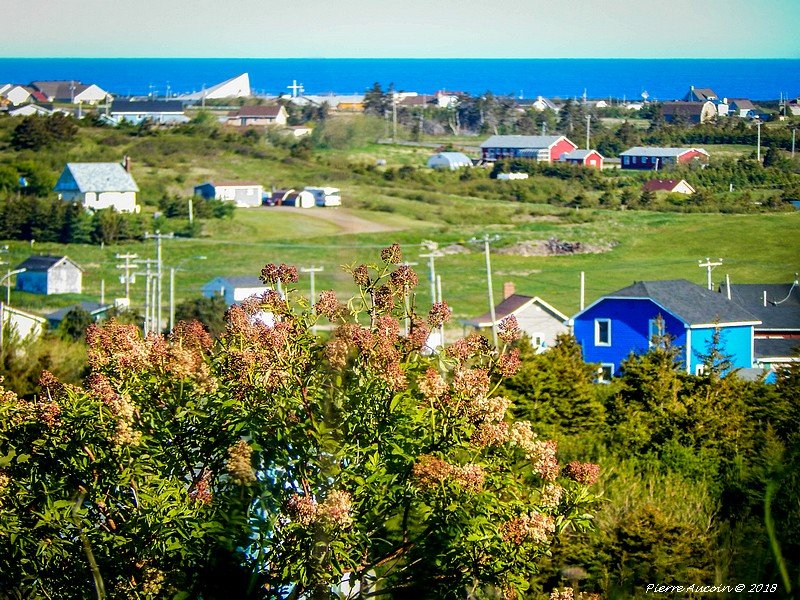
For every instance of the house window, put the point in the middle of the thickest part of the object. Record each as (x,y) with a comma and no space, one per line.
(602,332)
(655,330)
(634,159)
(605,373)
(537,340)
(626,160)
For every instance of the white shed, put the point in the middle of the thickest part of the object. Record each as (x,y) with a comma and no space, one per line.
(449,160)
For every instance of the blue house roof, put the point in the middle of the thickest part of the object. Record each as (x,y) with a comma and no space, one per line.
(695,305)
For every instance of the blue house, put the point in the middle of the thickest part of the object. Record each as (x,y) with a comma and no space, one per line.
(627,320)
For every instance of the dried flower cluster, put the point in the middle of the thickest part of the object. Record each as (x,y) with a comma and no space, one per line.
(439,314)
(585,473)
(472,383)
(431,472)
(392,255)
(302,509)
(201,492)
(432,385)
(551,495)
(545,459)
(534,527)
(329,306)
(272,274)
(508,330)
(509,363)
(152,582)
(239,465)
(336,509)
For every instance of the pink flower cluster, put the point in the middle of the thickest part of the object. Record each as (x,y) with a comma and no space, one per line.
(336,509)
(509,363)
(302,509)
(431,473)
(201,492)
(585,473)
(403,276)
(439,314)
(508,329)
(472,383)
(432,385)
(328,305)
(392,255)
(471,346)
(545,459)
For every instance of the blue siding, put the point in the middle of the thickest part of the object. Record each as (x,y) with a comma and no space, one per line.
(34,282)
(205,190)
(734,341)
(630,323)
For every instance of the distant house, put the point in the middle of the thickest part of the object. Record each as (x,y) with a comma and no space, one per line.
(451,161)
(538,319)
(166,112)
(542,148)
(234,288)
(673,186)
(651,158)
(418,101)
(245,194)
(691,112)
(258,115)
(15,94)
(335,102)
(49,275)
(74,92)
(95,309)
(541,103)
(21,323)
(777,306)
(586,158)
(445,99)
(700,95)
(742,107)
(325,196)
(627,320)
(27,110)
(99,185)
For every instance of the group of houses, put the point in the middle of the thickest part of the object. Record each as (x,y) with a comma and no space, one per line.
(757,326)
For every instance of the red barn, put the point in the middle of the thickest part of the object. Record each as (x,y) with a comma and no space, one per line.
(586,158)
(542,148)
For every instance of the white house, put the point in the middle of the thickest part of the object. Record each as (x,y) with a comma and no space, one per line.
(98,185)
(245,194)
(20,323)
(42,274)
(15,94)
(234,288)
(449,160)
(541,103)
(27,110)
(325,196)
(155,111)
(541,321)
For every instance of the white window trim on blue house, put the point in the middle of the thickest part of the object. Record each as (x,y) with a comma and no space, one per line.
(597,340)
(605,368)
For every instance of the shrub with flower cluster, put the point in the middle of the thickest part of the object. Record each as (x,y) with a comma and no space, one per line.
(285,465)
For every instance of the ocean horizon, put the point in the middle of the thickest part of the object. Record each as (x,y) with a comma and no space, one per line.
(661,78)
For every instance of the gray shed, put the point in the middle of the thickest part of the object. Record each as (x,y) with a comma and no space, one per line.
(449,160)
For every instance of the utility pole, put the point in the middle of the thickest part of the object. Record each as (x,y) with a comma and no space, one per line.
(394,117)
(588,119)
(158,236)
(794,130)
(710,266)
(758,147)
(486,240)
(127,279)
(149,303)
(311,271)
(432,255)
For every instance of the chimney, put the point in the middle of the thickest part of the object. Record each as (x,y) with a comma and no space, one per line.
(509,289)
(126,163)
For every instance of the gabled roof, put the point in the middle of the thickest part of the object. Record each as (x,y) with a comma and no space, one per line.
(742,103)
(43,262)
(512,305)
(95,177)
(782,312)
(237,281)
(147,106)
(454,157)
(579,154)
(257,111)
(668,185)
(522,141)
(419,100)
(60,90)
(683,109)
(701,94)
(660,152)
(93,308)
(689,302)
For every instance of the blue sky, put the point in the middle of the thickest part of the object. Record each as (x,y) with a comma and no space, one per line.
(403,28)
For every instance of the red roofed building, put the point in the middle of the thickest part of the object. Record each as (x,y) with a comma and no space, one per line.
(673,186)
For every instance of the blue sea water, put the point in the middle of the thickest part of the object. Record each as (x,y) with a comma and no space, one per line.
(663,79)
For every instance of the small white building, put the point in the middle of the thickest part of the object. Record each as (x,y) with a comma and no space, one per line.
(99,185)
(325,196)
(27,110)
(71,91)
(234,289)
(244,194)
(449,160)
(163,112)
(15,94)
(42,274)
(24,325)
(538,319)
